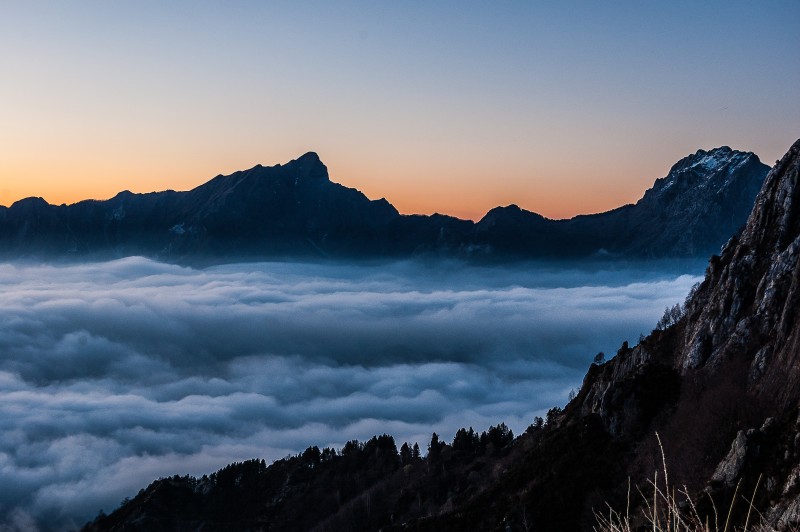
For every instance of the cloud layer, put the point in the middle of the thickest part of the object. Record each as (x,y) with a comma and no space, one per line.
(114,374)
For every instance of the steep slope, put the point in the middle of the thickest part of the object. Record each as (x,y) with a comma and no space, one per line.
(735,352)
(294,210)
(704,195)
(720,386)
(699,195)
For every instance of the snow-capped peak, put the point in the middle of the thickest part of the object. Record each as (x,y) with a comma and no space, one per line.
(702,168)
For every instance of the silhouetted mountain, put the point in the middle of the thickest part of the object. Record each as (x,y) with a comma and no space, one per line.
(703,200)
(294,210)
(720,384)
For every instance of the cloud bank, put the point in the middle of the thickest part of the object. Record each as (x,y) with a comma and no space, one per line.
(114,374)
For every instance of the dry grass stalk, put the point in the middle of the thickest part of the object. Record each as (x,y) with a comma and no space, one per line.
(669,512)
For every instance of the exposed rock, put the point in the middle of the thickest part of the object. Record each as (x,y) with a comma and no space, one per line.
(729,470)
(792,481)
(785,515)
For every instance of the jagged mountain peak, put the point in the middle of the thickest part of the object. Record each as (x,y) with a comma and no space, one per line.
(703,166)
(309,157)
(306,167)
(309,165)
(713,159)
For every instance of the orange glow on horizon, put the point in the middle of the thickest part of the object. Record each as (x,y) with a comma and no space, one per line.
(454,192)
(561,194)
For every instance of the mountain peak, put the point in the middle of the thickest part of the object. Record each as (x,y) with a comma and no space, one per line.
(309,165)
(713,167)
(310,156)
(712,160)
(510,213)
(32,202)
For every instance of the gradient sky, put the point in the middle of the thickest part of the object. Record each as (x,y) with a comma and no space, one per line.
(456,107)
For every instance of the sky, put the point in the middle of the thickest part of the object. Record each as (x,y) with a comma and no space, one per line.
(115,374)
(453,107)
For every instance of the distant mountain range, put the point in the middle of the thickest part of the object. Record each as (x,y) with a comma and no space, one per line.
(706,409)
(295,211)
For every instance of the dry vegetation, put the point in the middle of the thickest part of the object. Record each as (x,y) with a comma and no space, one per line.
(669,509)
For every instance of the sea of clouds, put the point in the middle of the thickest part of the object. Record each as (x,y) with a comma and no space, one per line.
(114,374)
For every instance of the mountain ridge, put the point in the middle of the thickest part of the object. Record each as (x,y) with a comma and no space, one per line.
(719,383)
(295,211)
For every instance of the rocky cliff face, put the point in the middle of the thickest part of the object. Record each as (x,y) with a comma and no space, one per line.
(683,210)
(732,414)
(294,210)
(749,300)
